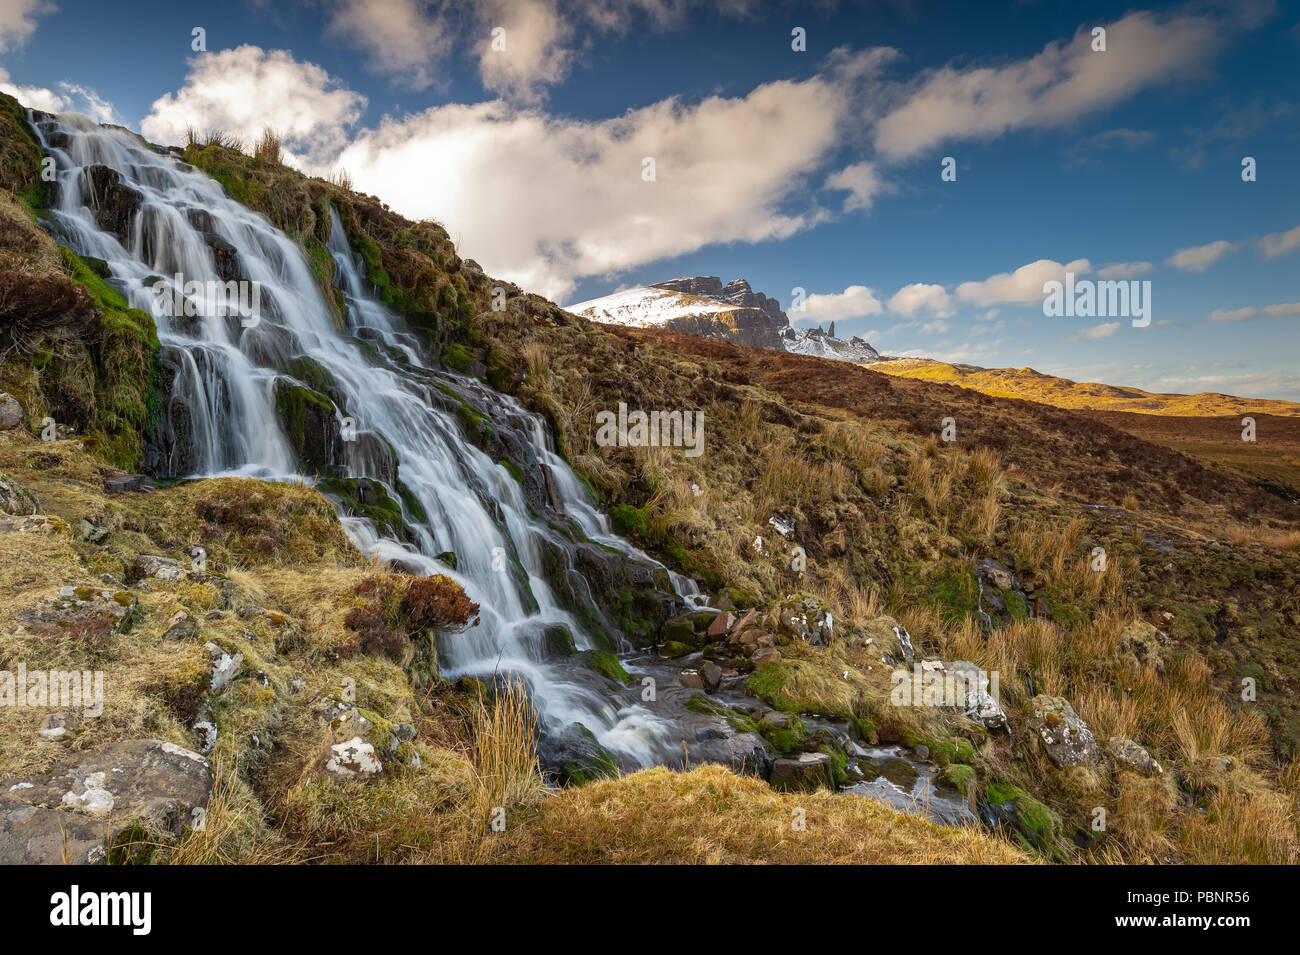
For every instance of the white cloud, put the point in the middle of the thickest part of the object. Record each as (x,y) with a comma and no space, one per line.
(402,37)
(932,298)
(1124,270)
(243,90)
(37,97)
(1050,89)
(1280,310)
(1107,330)
(1023,286)
(18,20)
(1200,257)
(855,301)
(1279,243)
(71,98)
(544,200)
(534,56)
(1237,315)
(861,182)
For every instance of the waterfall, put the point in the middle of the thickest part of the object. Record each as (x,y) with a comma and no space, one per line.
(228,364)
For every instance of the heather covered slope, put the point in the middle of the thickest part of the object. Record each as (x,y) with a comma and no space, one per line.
(982,548)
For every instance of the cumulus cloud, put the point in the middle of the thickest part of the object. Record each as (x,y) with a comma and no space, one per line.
(856,301)
(411,39)
(1124,270)
(1023,286)
(244,90)
(1056,86)
(402,37)
(1198,258)
(18,21)
(860,181)
(1279,243)
(545,200)
(1282,309)
(533,57)
(912,298)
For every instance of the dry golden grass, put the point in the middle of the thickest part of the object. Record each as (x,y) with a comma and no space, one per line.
(709,815)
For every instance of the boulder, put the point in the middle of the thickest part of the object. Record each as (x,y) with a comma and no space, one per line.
(11,412)
(1128,754)
(720,625)
(87,802)
(804,773)
(353,757)
(1066,736)
(766,655)
(711,674)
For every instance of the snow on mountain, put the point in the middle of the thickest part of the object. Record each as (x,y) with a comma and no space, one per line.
(734,312)
(645,306)
(813,341)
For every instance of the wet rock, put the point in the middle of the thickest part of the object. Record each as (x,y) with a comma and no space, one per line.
(1125,752)
(114,205)
(16,499)
(766,655)
(11,412)
(691,679)
(711,674)
(575,756)
(558,641)
(82,807)
(1066,736)
(807,772)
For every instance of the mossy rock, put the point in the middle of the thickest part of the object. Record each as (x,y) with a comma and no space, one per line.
(557,641)
(672,649)
(606,664)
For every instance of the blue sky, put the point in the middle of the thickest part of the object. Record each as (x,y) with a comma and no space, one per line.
(817,170)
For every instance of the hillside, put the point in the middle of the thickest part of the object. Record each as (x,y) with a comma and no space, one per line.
(1031,385)
(345,685)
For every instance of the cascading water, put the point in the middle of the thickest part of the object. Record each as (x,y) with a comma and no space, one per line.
(228,365)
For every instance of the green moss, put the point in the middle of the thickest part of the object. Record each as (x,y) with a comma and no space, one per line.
(515,470)
(959,776)
(456,358)
(674,648)
(787,739)
(606,664)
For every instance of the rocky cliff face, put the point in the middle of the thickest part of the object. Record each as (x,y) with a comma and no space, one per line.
(702,305)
